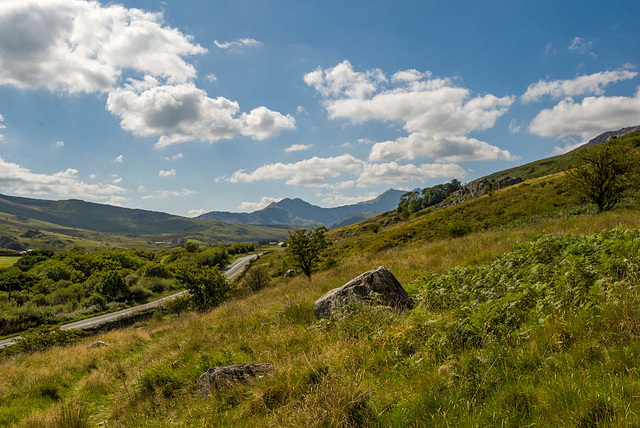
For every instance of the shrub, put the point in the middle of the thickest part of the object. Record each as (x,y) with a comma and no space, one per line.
(257,278)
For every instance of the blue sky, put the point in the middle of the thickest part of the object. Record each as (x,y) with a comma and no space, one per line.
(195,106)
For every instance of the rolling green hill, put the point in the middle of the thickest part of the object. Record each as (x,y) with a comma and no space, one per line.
(56,224)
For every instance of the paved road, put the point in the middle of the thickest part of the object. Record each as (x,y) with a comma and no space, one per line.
(230,272)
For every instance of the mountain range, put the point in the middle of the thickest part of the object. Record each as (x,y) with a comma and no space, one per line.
(296,212)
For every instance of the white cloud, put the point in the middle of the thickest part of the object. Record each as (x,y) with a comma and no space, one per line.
(592,84)
(345,171)
(238,43)
(117,201)
(588,118)
(447,149)
(141,188)
(300,110)
(182,113)
(116,179)
(211,77)
(337,198)
(119,159)
(59,144)
(162,194)
(169,173)
(365,141)
(175,157)
(83,46)
(196,212)
(514,128)
(21,181)
(432,108)
(312,172)
(255,206)
(391,173)
(297,148)
(581,46)
(93,176)
(347,145)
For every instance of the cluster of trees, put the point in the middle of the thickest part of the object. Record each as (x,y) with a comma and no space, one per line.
(415,201)
(44,287)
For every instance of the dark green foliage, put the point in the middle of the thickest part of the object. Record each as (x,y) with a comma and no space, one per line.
(178,305)
(112,285)
(31,258)
(604,174)
(191,247)
(305,248)
(207,286)
(257,278)
(155,270)
(241,248)
(212,257)
(414,201)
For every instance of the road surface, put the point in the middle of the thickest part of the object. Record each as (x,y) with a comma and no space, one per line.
(230,272)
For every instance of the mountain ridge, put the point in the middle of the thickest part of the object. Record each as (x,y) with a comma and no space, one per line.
(297,212)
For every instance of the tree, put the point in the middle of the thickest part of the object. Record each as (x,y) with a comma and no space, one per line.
(604,174)
(191,247)
(305,247)
(112,285)
(257,278)
(207,286)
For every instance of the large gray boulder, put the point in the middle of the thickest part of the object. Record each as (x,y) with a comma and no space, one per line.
(223,376)
(379,281)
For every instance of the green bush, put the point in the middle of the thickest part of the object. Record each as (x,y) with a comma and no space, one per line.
(257,278)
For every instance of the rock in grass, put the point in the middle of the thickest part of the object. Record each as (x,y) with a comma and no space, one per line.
(223,376)
(379,281)
(98,344)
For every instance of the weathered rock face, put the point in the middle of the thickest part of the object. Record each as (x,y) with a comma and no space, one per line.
(379,281)
(223,376)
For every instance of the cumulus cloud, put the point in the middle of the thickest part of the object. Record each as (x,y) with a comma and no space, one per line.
(211,78)
(116,179)
(393,173)
(255,206)
(2,126)
(433,108)
(345,171)
(59,144)
(298,148)
(588,118)
(119,159)
(83,46)
(163,194)
(300,110)
(238,43)
(181,113)
(196,212)
(169,173)
(19,180)
(591,84)
(447,149)
(312,172)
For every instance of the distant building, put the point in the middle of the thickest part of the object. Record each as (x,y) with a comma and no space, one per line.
(282,244)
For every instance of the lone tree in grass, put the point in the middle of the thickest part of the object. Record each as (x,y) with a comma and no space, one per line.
(207,286)
(604,174)
(305,247)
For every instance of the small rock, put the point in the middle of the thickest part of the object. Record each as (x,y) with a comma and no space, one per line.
(288,274)
(223,376)
(98,344)
(379,281)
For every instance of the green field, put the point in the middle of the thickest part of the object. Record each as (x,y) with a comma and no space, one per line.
(7,261)
(526,315)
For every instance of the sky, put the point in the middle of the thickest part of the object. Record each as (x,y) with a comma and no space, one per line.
(193,106)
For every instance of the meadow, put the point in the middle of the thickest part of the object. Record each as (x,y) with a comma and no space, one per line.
(480,348)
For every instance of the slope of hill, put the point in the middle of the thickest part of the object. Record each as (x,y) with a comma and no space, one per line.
(297,212)
(78,222)
(516,324)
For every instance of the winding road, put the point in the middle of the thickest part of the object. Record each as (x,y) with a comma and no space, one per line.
(230,272)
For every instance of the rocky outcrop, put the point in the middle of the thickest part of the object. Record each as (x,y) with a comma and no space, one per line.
(98,344)
(480,187)
(612,134)
(380,282)
(224,376)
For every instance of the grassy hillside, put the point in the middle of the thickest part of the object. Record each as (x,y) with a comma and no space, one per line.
(126,229)
(527,315)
